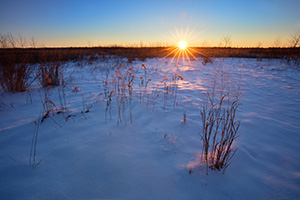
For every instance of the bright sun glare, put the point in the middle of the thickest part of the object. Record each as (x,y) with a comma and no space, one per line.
(182,50)
(182,45)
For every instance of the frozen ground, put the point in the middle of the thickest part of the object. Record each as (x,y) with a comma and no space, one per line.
(91,156)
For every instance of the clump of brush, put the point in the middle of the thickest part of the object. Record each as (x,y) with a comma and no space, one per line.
(219,124)
(123,80)
(50,69)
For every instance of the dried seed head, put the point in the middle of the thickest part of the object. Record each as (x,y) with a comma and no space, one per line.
(141,77)
(150,79)
(166,79)
(179,76)
(49,80)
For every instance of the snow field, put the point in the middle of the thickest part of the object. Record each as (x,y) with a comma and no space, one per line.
(88,157)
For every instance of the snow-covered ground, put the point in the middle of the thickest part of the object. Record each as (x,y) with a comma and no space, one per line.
(100,154)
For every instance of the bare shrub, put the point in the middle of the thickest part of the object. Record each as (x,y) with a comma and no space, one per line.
(226,41)
(294,40)
(15,72)
(15,77)
(293,57)
(219,124)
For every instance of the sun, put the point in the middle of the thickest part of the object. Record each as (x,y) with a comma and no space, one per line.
(182,45)
(182,48)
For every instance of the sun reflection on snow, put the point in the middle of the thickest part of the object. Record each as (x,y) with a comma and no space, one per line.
(194,165)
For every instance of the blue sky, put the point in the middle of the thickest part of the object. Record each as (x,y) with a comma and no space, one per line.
(91,22)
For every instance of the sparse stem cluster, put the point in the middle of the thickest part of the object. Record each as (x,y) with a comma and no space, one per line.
(219,124)
(219,128)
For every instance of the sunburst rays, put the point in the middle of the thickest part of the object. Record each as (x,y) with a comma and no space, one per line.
(182,50)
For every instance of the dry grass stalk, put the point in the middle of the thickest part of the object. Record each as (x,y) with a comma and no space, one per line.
(50,70)
(166,92)
(176,78)
(33,149)
(130,89)
(108,105)
(62,97)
